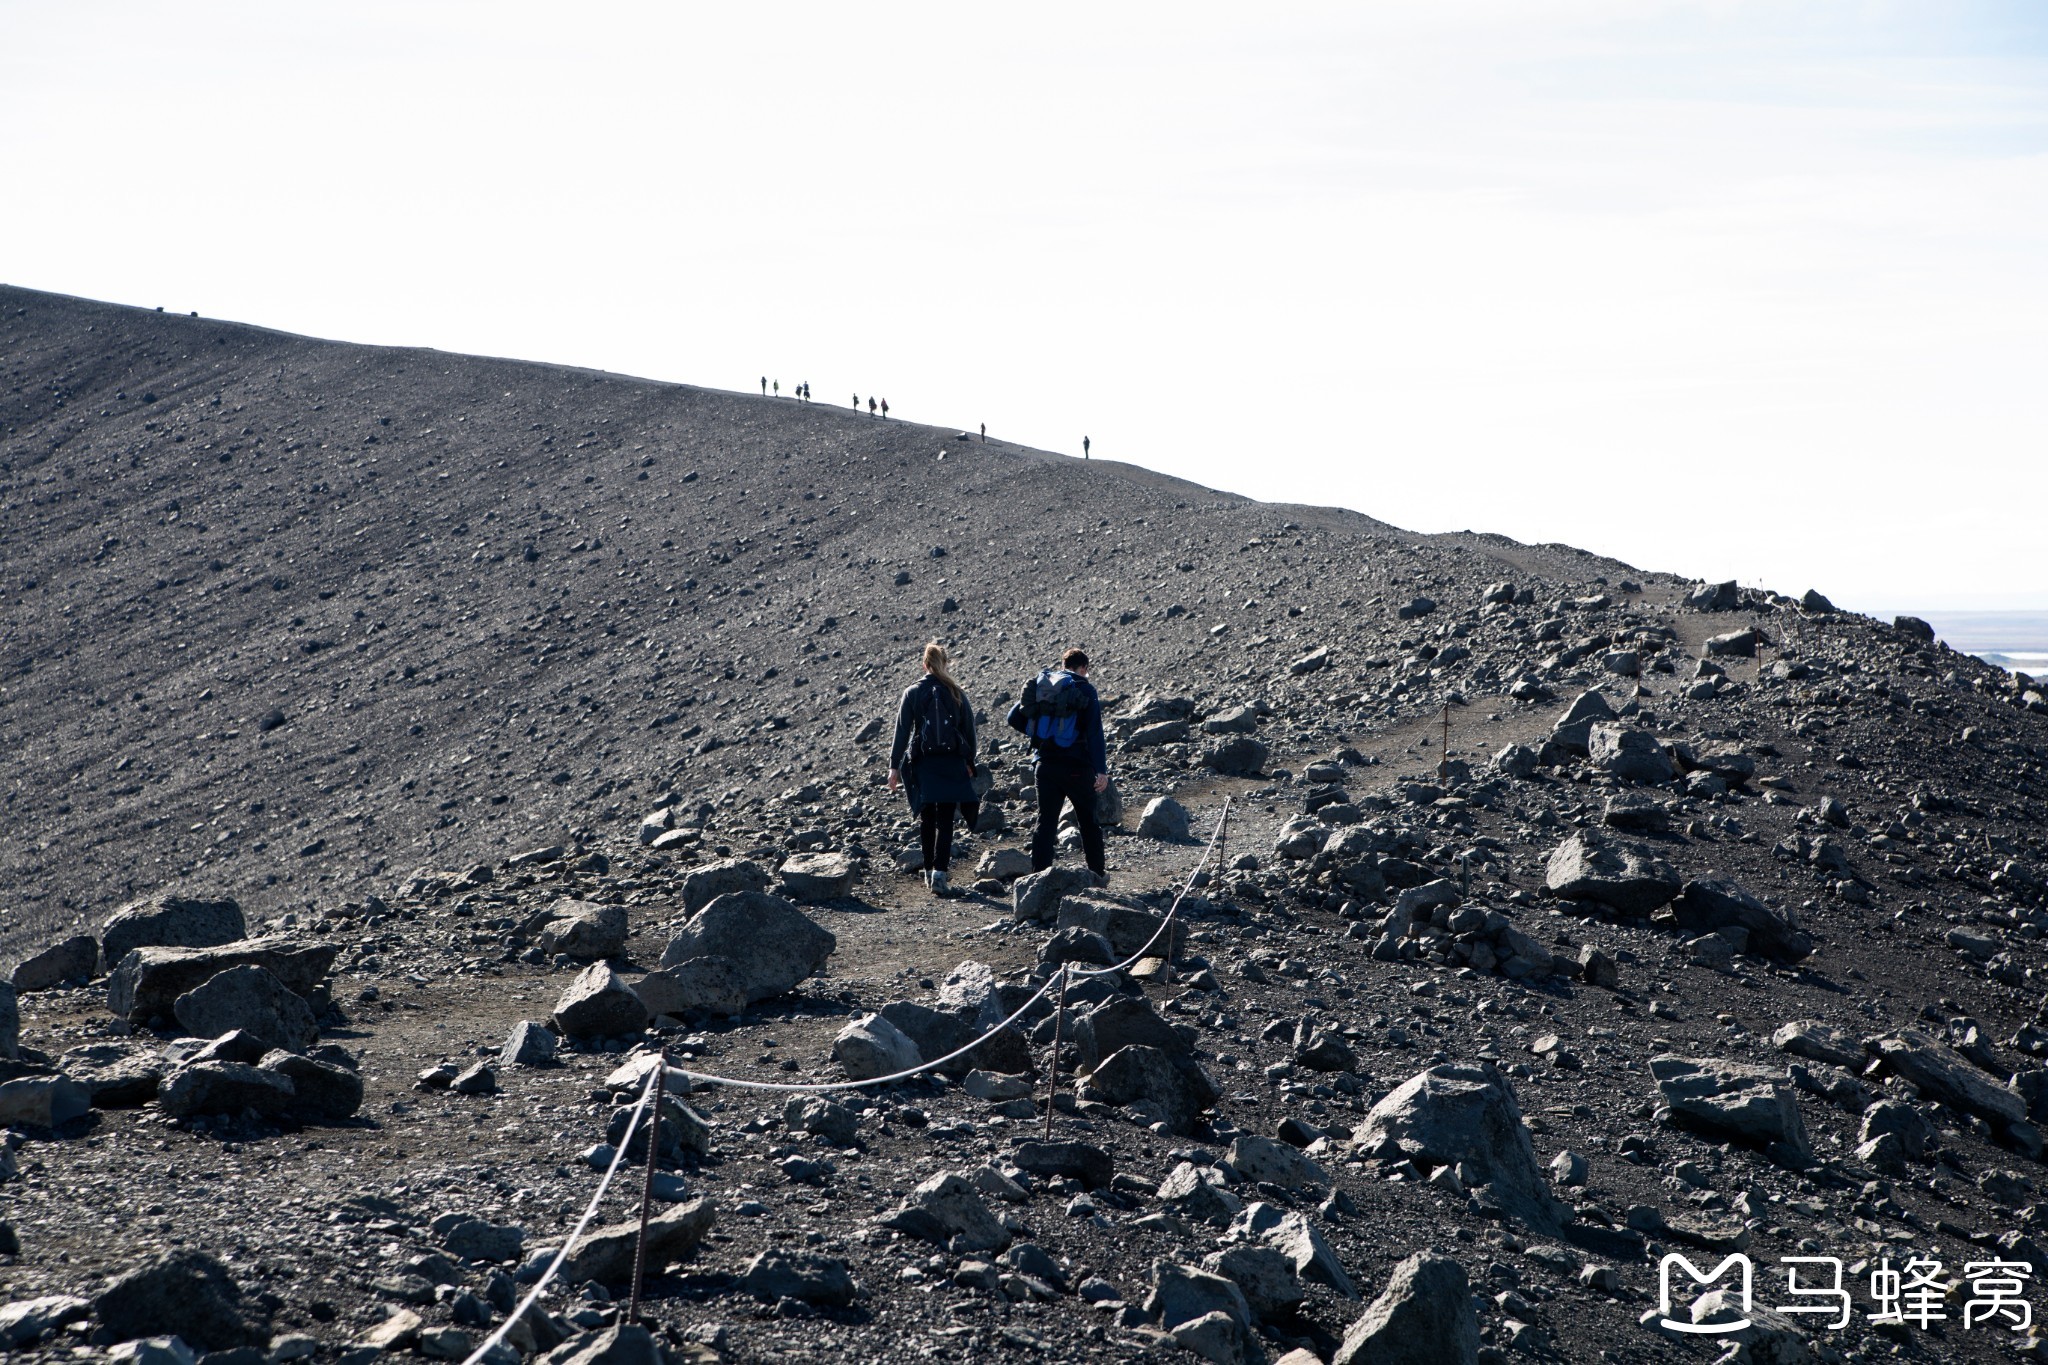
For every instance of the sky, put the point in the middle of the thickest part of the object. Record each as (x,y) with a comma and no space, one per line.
(1728,290)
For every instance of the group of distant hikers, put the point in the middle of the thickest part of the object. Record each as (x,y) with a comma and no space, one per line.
(802,394)
(933,759)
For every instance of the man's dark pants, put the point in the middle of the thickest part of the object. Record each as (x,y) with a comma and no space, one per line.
(1059,783)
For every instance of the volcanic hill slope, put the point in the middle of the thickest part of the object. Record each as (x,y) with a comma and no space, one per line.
(397,649)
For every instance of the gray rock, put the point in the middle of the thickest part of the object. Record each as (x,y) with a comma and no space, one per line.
(147,982)
(811,877)
(599,1004)
(946,1207)
(252,999)
(1182,1293)
(1038,896)
(171,922)
(1819,1042)
(1596,968)
(1127,930)
(1636,812)
(825,1118)
(1295,1236)
(770,944)
(1274,1162)
(1913,628)
(1156,734)
(777,1275)
(1622,877)
(1415,607)
(1262,1275)
(941,1033)
(1714,596)
(1460,1115)
(1631,755)
(1302,837)
(871,1046)
(27,1321)
(705,884)
(1517,761)
(1569,1169)
(625,1343)
(10,1023)
(584,930)
(1121,1021)
(1725,760)
(1200,1194)
(1177,1089)
(1573,731)
(184,1294)
(1235,720)
(225,1088)
(1082,1161)
(1902,1121)
(1705,906)
(478,1078)
(1749,1103)
(1736,644)
(1164,818)
(1005,864)
(529,1044)
(42,1101)
(116,1075)
(474,1239)
(1943,1074)
(702,985)
(318,1088)
(1424,1317)
(1235,756)
(606,1256)
(72,960)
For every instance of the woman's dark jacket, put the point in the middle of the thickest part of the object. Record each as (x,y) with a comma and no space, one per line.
(933,777)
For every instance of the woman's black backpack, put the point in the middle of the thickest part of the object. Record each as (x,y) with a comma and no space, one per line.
(938,723)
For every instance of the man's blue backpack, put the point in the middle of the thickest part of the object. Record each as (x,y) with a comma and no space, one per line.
(1053,706)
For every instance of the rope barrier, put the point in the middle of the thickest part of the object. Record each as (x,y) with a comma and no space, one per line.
(657,1074)
(548,1275)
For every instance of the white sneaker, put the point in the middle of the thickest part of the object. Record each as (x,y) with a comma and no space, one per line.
(939,884)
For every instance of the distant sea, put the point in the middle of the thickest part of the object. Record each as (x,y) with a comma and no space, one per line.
(2016,640)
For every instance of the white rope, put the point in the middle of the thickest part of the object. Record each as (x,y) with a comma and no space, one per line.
(1066,969)
(619,1156)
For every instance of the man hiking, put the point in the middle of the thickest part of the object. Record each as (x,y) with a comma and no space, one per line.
(1062,715)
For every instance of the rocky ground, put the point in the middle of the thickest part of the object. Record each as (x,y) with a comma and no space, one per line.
(1717,928)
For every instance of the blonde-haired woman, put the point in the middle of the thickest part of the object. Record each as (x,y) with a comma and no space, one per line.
(933,759)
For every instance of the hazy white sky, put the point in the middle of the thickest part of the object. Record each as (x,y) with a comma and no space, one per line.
(1747,290)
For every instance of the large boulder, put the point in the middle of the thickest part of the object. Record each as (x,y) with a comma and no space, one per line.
(777,1275)
(606,1256)
(253,1000)
(42,1101)
(871,1047)
(1704,906)
(225,1088)
(1274,1162)
(1943,1074)
(117,1075)
(770,944)
(1164,818)
(946,1207)
(1624,878)
(1751,1104)
(702,985)
(171,922)
(1735,644)
(584,930)
(1295,1236)
(1183,1297)
(1629,754)
(1466,1115)
(599,1004)
(942,1032)
(185,1294)
(811,877)
(147,982)
(1573,731)
(72,960)
(1818,1041)
(1177,1090)
(1038,896)
(1120,1022)
(703,885)
(1127,930)
(1235,756)
(1424,1317)
(319,1089)
(1714,596)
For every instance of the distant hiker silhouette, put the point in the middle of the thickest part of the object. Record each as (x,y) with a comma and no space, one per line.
(778,388)
(1084,448)
(871,405)
(933,757)
(984,431)
(805,389)
(885,408)
(764,386)
(1062,716)
(856,402)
